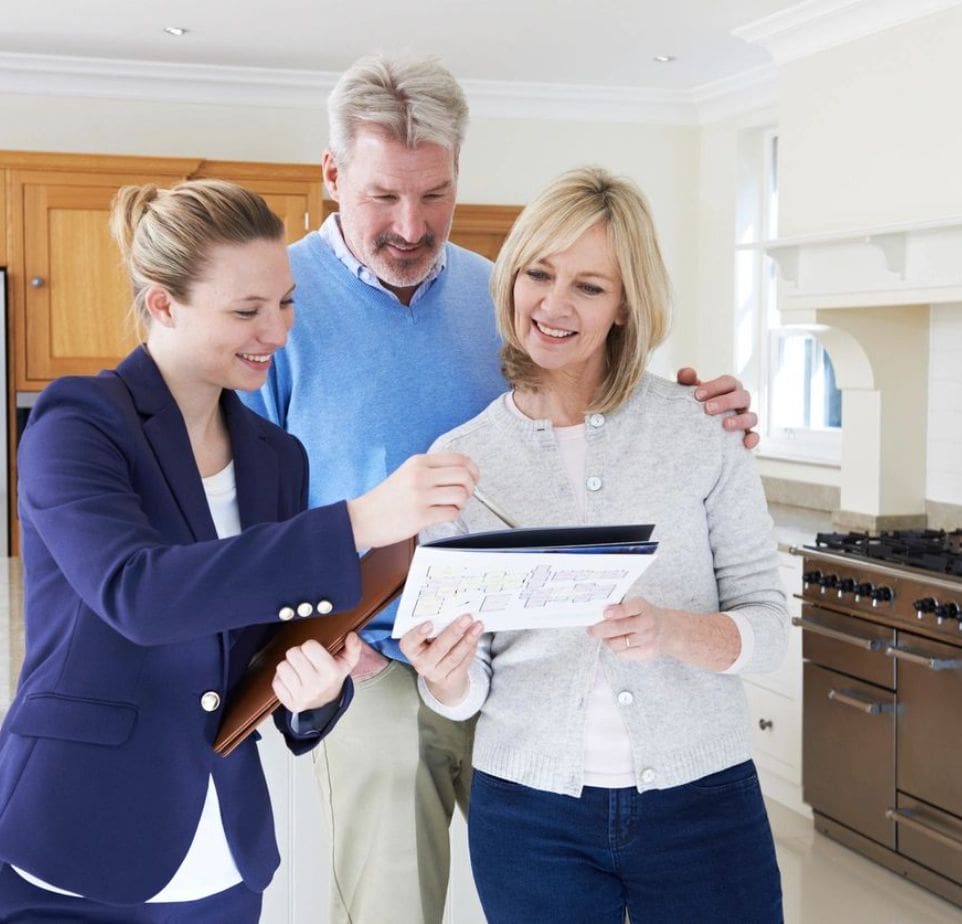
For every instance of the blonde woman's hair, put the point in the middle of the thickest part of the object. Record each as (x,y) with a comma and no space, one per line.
(569,206)
(414,100)
(166,235)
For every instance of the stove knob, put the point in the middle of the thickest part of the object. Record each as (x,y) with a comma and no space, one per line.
(864,589)
(826,581)
(845,586)
(948,611)
(881,595)
(927,605)
(810,577)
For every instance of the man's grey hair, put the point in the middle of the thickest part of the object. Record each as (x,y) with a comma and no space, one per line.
(413,99)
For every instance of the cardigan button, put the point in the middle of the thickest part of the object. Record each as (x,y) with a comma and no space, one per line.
(304,609)
(210,701)
(593,483)
(648,775)
(285,613)
(625,698)
(324,607)
(596,420)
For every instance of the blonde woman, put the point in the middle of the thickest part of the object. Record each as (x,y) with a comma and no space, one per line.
(164,533)
(612,767)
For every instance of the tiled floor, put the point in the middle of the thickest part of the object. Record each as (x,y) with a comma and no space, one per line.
(826,883)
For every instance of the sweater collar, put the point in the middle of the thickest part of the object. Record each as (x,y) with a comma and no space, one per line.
(507,414)
(333,239)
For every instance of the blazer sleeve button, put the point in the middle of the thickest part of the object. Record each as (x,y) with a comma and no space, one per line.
(324,607)
(285,613)
(210,701)
(304,609)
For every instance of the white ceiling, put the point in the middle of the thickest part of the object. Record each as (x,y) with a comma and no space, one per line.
(602,43)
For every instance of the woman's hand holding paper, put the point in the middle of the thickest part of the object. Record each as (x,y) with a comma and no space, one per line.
(444,661)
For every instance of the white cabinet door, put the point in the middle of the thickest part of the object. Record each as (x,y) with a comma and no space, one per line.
(775,706)
(300,889)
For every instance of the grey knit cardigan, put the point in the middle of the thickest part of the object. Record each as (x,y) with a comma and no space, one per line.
(656,459)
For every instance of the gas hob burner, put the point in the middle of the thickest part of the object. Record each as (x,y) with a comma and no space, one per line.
(927,549)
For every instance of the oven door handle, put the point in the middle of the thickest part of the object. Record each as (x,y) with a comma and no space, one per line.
(869,644)
(868,706)
(902,817)
(918,656)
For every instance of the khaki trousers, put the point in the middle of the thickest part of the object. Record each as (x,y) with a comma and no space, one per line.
(390,775)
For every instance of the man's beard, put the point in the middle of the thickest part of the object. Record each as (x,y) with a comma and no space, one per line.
(399,271)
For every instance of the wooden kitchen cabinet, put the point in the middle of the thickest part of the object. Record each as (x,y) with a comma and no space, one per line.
(70,296)
(293,191)
(69,293)
(483,228)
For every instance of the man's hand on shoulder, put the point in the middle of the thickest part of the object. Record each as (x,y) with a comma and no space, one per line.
(721,396)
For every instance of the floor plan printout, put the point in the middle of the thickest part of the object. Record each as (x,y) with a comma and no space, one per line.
(514,590)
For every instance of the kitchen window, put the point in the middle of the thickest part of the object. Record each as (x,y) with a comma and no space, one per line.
(799,403)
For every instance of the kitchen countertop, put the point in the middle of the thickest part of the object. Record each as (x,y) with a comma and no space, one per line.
(798,525)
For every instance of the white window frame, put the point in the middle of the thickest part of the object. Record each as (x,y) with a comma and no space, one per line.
(758,214)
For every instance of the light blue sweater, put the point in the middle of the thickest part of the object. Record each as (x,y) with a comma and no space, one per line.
(364,382)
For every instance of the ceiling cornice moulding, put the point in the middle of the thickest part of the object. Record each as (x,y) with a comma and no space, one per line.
(815,25)
(749,91)
(52,75)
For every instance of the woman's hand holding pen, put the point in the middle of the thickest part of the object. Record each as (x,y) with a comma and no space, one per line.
(444,661)
(310,677)
(424,490)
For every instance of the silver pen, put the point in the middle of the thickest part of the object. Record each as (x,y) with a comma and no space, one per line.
(494,508)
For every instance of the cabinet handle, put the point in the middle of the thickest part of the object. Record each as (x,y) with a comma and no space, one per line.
(869,707)
(869,644)
(916,656)
(38,282)
(903,817)
(765,723)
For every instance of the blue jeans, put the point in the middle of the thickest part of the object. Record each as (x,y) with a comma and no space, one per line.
(22,902)
(697,853)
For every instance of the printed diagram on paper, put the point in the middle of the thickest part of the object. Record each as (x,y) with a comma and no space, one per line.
(463,589)
(514,590)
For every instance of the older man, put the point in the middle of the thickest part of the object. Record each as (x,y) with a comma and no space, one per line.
(394,344)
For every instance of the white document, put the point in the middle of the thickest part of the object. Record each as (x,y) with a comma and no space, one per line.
(514,590)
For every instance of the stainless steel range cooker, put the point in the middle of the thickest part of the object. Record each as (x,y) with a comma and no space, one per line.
(882,719)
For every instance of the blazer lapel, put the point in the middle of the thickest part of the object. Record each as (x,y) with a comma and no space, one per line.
(255,465)
(165,431)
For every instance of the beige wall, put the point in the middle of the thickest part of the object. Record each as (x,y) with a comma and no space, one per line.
(108,126)
(870,130)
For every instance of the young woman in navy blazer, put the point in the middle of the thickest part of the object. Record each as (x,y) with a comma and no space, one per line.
(164,531)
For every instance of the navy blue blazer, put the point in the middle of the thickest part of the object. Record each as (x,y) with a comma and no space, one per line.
(134,611)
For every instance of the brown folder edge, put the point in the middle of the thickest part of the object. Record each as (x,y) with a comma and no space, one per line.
(383,572)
